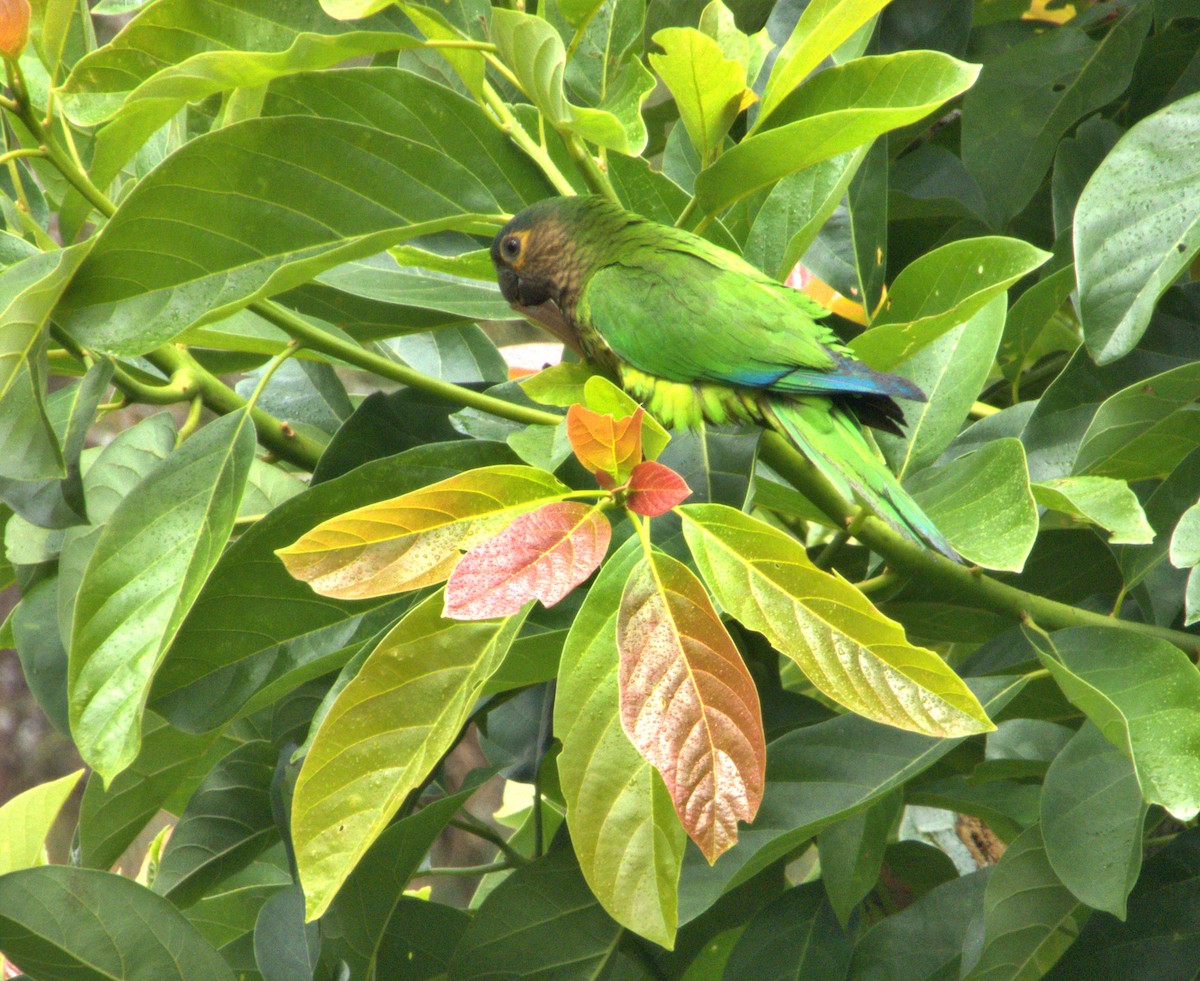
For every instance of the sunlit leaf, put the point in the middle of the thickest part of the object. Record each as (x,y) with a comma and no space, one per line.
(416,539)
(1101,501)
(688,702)
(604,444)
(542,555)
(846,647)
(382,735)
(26,820)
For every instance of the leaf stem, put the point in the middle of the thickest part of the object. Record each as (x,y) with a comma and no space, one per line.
(597,180)
(969,586)
(510,126)
(467,870)
(32,151)
(480,830)
(318,340)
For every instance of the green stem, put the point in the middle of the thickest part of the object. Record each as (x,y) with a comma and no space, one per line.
(467,870)
(686,214)
(957,582)
(597,179)
(473,827)
(830,552)
(318,340)
(509,125)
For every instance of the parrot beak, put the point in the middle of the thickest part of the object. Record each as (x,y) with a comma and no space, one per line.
(509,284)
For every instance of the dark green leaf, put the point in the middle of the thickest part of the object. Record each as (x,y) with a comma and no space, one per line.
(794,937)
(285,947)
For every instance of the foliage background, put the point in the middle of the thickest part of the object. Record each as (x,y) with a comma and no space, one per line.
(268,201)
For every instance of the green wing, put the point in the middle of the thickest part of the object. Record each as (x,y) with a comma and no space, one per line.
(687,317)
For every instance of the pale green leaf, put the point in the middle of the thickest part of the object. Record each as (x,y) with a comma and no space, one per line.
(26,820)
(1101,501)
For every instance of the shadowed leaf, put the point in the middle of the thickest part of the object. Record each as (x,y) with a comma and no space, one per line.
(416,539)
(688,702)
(542,555)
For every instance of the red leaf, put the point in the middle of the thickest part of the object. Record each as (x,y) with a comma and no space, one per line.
(688,703)
(542,555)
(654,489)
(604,444)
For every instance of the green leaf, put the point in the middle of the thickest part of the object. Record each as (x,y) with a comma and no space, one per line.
(532,48)
(622,823)
(846,648)
(26,820)
(170,761)
(253,626)
(154,555)
(837,110)
(817,775)
(940,290)
(29,448)
(1185,539)
(1031,95)
(353,929)
(821,29)
(951,372)
(1141,692)
(709,89)
(551,897)
(796,936)
(1163,509)
(39,645)
(30,289)
(983,505)
(285,947)
(420,939)
(793,213)
(125,462)
(227,914)
(339,184)
(1146,429)
(1029,917)
(1027,320)
(63,924)
(851,853)
(1092,814)
(383,734)
(226,824)
(1101,501)
(1137,226)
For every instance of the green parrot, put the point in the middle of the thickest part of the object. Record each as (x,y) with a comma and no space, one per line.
(696,333)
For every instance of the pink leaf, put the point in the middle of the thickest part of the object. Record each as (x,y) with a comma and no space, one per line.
(542,555)
(654,489)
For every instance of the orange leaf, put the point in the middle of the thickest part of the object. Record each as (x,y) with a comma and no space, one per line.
(14,27)
(542,555)
(654,489)
(688,703)
(604,444)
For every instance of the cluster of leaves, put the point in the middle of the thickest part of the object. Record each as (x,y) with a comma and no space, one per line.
(214,193)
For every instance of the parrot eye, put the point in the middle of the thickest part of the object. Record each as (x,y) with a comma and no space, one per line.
(511,247)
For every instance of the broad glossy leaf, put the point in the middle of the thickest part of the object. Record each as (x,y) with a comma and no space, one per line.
(285,947)
(1030,96)
(795,936)
(39,645)
(623,827)
(940,290)
(1101,501)
(28,292)
(793,213)
(1092,815)
(655,489)
(1163,508)
(65,924)
(847,648)
(1137,226)
(983,505)
(604,444)
(1032,311)
(150,563)
(817,775)
(26,820)
(226,824)
(688,702)
(111,817)
(709,89)
(543,555)
(951,372)
(1185,539)
(837,110)
(1145,430)
(1029,917)
(366,167)
(353,929)
(125,462)
(383,734)
(550,896)
(851,853)
(821,29)
(418,538)
(532,48)
(925,940)
(1141,692)
(226,915)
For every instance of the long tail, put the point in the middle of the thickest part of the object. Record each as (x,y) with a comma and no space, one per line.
(829,436)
